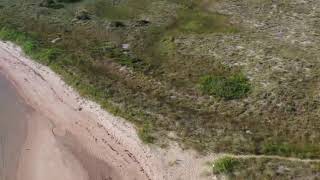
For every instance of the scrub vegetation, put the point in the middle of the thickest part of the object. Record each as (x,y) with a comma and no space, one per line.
(264,168)
(225,165)
(222,75)
(233,87)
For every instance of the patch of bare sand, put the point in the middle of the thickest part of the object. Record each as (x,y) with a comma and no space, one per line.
(43,157)
(92,137)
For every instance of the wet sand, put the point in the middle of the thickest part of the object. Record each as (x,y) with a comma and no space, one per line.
(13,129)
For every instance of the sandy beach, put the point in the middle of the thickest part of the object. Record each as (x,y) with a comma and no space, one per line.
(13,129)
(72,138)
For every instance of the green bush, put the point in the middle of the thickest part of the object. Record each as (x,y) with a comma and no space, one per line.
(225,165)
(28,45)
(233,87)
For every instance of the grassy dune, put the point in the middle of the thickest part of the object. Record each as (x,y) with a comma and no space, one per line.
(217,76)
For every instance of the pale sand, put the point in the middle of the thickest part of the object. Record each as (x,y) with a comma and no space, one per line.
(65,143)
(13,129)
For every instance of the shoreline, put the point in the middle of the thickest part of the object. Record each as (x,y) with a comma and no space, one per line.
(13,128)
(109,139)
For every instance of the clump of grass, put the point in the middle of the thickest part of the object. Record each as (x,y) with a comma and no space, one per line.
(47,55)
(225,165)
(166,45)
(30,46)
(233,87)
(27,44)
(145,133)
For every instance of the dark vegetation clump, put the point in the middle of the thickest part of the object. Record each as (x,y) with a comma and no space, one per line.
(225,165)
(140,23)
(83,14)
(233,87)
(51,4)
(117,24)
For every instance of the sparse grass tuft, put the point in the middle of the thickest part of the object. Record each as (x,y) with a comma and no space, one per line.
(145,133)
(225,165)
(233,87)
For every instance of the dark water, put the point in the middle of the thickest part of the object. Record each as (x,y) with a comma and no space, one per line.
(13,125)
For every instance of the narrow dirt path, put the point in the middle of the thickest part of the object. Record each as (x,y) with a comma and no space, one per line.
(270,157)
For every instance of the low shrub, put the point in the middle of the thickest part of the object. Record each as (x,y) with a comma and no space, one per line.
(225,165)
(233,87)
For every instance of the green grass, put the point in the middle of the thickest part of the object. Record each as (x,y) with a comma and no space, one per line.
(166,46)
(47,55)
(188,21)
(233,87)
(196,21)
(225,165)
(266,168)
(28,44)
(289,150)
(130,9)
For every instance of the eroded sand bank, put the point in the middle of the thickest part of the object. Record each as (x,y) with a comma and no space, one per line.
(66,143)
